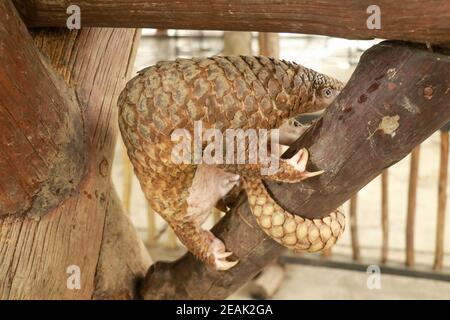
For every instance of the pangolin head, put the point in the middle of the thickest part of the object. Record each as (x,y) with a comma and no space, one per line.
(322,91)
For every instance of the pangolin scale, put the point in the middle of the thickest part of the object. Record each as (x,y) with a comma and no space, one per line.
(222,92)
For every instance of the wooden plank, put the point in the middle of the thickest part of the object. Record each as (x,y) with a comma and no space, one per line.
(442,203)
(421,21)
(374,123)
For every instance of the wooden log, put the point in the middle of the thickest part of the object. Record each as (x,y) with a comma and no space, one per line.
(420,20)
(411,213)
(384,216)
(442,203)
(374,123)
(89,229)
(354,227)
(40,121)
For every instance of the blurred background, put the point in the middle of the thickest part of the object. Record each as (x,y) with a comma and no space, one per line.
(402,203)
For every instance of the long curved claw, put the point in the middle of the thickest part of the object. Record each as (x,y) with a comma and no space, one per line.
(308,174)
(225,265)
(219,256)
(224,255)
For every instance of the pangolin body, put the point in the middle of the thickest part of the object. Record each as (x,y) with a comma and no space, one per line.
(222,92)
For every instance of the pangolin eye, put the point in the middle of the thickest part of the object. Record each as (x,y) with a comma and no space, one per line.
(327,92)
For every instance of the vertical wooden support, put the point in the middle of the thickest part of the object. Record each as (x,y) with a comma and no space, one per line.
(354,227)
(269,44)
(412,194)
(384,215)
(442,197)
(237,42)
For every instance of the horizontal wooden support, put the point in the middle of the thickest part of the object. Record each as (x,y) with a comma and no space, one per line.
(412,20)
(396,98)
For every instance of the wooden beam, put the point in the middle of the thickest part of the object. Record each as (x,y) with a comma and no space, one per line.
(374,123)
(412,20)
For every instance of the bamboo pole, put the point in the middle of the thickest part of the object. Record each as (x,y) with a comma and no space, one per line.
(171,239)
(217,215)
(151,227)
(384,215)
(442,197)
(269,44)
(354,227)
(127,180)
(412,194)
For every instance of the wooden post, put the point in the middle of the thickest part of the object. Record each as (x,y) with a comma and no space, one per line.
(385,215)
(364,131)
(411,215)
(442,202)
(85,227)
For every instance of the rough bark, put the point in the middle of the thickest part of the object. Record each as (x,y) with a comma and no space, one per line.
(86,227)
(412,20)
(396,98)
(41,126)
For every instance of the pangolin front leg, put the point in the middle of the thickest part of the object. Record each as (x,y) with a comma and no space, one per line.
(222,93)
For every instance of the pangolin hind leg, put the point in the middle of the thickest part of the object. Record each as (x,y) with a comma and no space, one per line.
(208,186)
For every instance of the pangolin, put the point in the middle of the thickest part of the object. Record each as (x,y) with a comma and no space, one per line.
(232,92)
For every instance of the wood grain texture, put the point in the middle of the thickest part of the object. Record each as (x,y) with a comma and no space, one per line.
(41,126)
(412,20)
(89,228)
(351,142)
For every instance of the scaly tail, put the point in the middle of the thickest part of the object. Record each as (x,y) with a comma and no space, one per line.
(290,230)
